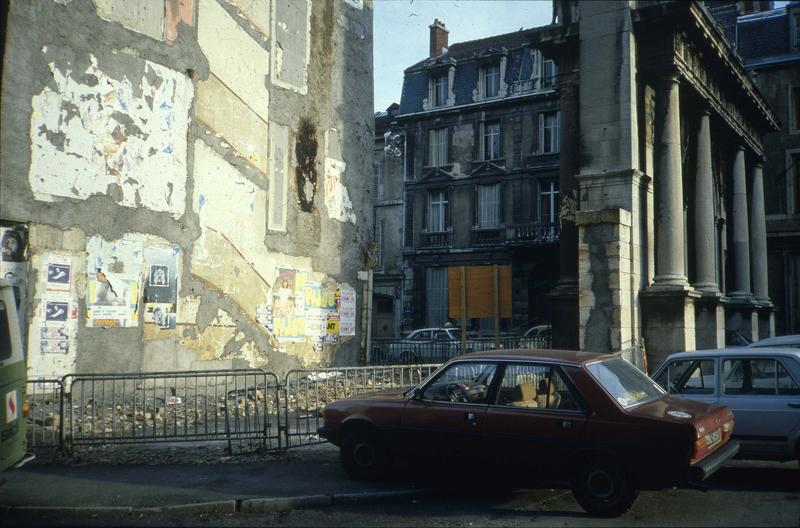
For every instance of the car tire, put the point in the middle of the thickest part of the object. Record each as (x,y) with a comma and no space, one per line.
(363,455)
(602,488)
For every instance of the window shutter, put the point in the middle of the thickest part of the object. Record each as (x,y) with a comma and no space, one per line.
(541,133)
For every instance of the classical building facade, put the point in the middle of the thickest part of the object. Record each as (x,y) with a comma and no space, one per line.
(480,123)
(768,40)
(665,178)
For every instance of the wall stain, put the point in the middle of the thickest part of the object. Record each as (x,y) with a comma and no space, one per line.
(306,172)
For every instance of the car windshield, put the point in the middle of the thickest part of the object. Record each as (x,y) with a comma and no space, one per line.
(626,384)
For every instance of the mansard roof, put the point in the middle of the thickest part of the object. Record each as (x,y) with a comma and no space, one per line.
(765,34)
(467,56)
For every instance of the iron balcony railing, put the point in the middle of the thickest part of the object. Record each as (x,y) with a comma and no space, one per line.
(437,239)
(534,233)
(488,236)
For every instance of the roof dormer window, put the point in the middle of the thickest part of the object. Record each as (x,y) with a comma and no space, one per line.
(491,80)
(440,90)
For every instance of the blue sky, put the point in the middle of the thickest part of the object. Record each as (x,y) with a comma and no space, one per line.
(401,32)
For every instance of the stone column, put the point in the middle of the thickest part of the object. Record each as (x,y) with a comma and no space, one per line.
(668,314)
(704,225)
(564,297)
(758,253)
(741,239)
(709,314)
(758,236)
(741,310)
(669,187)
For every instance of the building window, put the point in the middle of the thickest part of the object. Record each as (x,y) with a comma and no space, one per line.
(548,132)
(380,224)
(796,32)
(488,206)
(436,296)
(491,80)
(438,147)
(548,201)
(377,180)
(794,109)
(491,140)
(437,211)
(440,90)
(794,169)
(548,73)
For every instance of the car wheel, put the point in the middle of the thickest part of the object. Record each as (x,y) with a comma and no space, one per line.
(363,455)
(602,488)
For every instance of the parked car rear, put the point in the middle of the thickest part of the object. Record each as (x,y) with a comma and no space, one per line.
(761,385)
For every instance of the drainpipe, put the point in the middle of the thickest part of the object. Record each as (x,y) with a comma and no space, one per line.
(369,316)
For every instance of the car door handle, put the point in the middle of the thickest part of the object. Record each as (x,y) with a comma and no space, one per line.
(566,424)
(794,405)
(471,418)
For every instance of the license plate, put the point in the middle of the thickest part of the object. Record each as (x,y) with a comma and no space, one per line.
(714,437)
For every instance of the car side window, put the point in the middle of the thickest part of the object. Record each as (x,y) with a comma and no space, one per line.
(786,385)
(441,335)
(733,376)
(465,382)
(689,376)
(536,386)
(421,336)
(758,376)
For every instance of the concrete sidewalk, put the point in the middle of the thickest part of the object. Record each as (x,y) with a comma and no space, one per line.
(310,478)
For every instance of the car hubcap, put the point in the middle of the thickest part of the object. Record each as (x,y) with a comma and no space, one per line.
(364,455)
(601,484)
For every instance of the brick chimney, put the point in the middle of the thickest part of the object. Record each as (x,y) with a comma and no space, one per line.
(438,37)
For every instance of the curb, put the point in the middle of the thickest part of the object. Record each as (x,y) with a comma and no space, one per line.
(258,505)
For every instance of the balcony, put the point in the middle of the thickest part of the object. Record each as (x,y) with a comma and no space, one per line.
(435,240)
(488,236)
(533,234)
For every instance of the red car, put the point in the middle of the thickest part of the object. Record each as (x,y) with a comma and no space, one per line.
(592,418)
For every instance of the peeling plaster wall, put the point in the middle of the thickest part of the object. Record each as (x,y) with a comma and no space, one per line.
(179,121)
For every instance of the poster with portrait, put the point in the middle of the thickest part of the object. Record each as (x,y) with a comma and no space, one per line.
(288,306)
(13,264)
(161,285)
(112,289)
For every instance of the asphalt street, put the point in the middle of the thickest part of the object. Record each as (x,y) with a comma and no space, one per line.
(743,494)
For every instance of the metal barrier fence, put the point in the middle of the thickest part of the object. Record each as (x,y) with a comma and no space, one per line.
(404,351)
(44,424)
(308,391)
(230,405)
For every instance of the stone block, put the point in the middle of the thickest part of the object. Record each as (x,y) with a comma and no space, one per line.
(236,59)
(257,12)
(280,158)
(291,44)
(226,114)
(74,240)
(146,18)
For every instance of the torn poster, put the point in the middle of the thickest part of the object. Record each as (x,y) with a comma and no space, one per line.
(161,285)
(347,312)
(13,242)
(112,289)
(288,321)
(332,329)
(337,200)
(13,265)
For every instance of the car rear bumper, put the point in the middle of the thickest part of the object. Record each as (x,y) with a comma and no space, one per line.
(710,464)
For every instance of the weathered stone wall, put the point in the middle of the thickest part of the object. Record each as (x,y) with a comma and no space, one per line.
(232,136)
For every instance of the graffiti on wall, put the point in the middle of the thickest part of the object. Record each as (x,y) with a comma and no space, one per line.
(94,134)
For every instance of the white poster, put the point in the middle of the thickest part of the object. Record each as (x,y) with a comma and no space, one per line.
(347,312)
